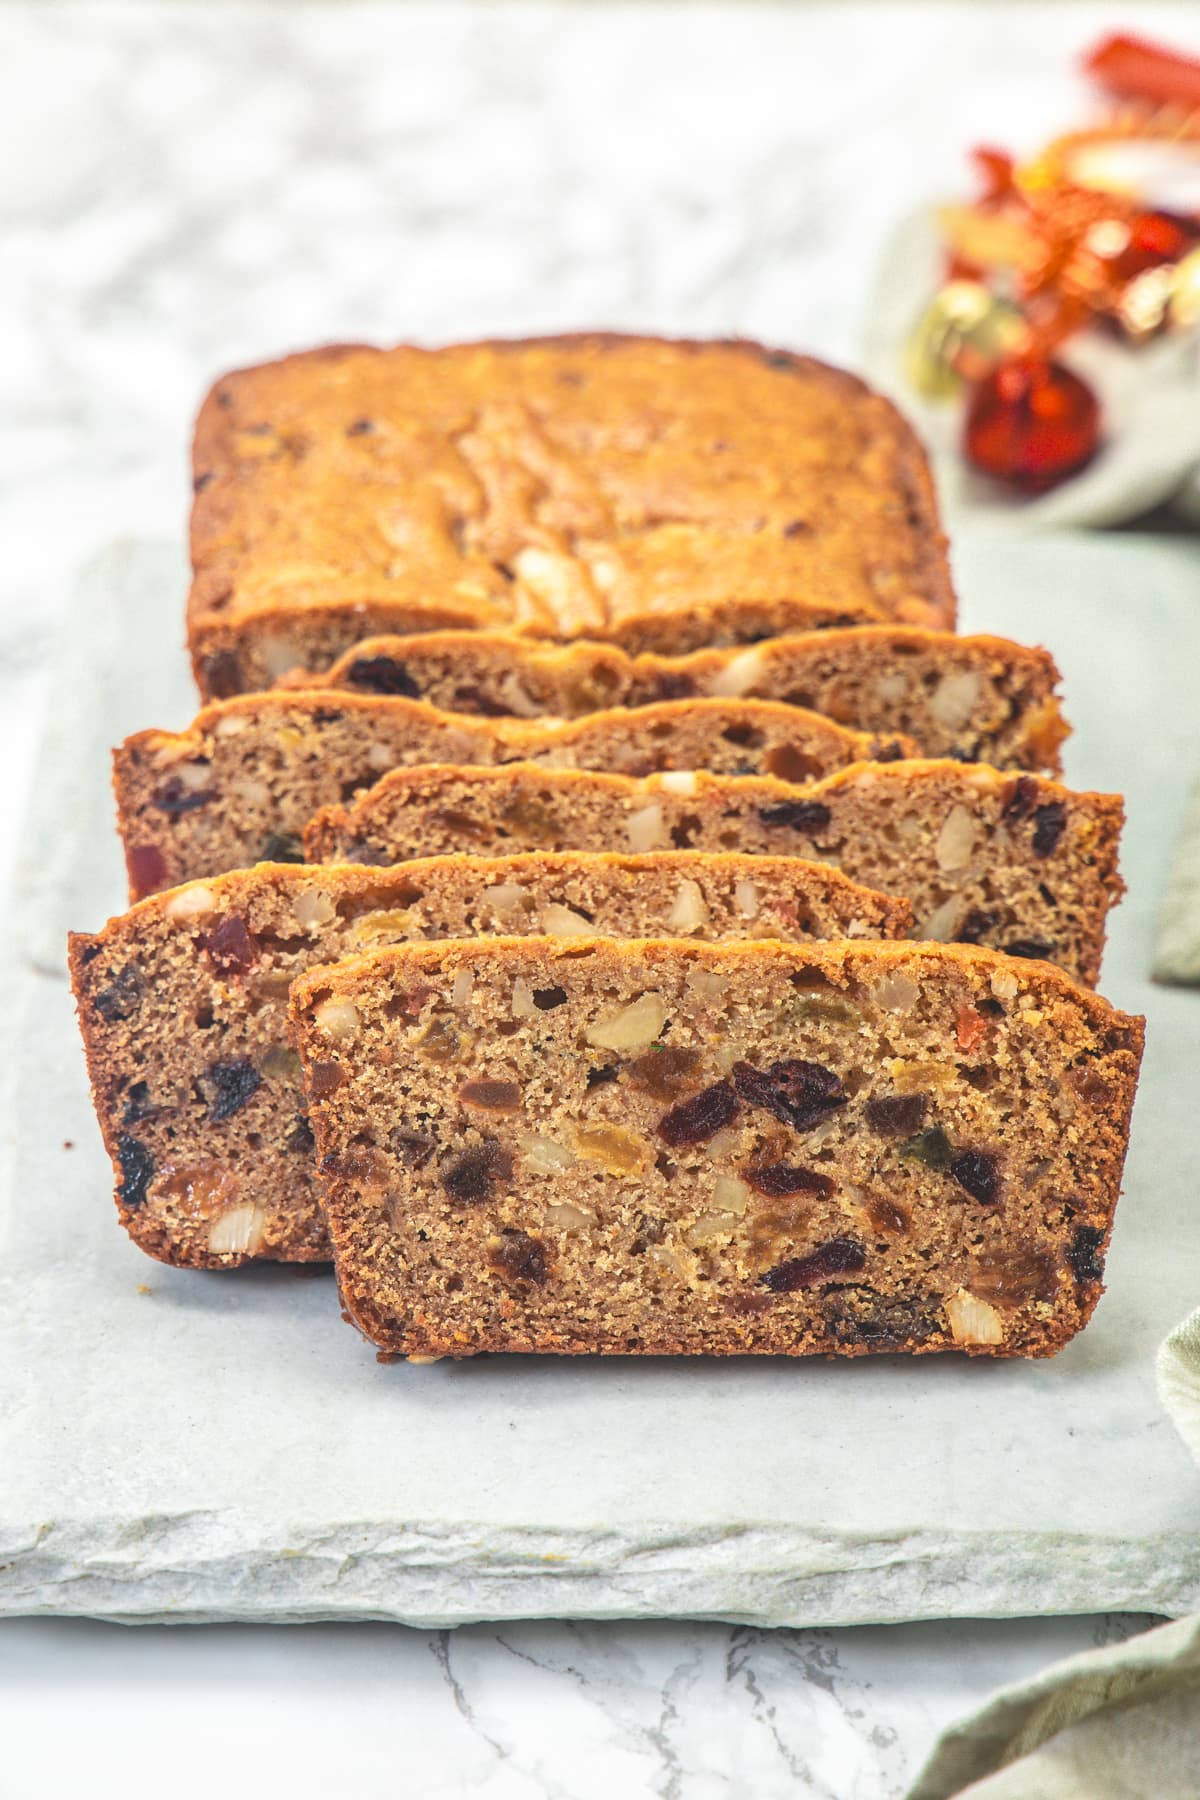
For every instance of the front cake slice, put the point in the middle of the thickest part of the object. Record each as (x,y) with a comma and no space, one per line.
(1016,862)
(183,1007)
(663,1148)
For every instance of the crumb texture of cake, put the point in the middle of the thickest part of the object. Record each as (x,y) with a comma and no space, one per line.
(659,494)
(182,1004)
(1018,863)
(679,1149)
(240,784)
(980,699)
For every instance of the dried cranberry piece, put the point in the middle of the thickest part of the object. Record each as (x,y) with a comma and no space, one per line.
(836,1256)
(174,799)
(1049,824)
(492,1095)
(799,1093)
(546,999)
(137,1169)
(897,1115)
(148,871)
(231,1083)
(1084,1255)
(1020,800)
(300,1137)
(122,997)
(665,1073)
(978,1173)
(701,1117)
(382,675)
(776,1180)
(472,1174)
(800,815)
(324,1078)
(231,947)
(519,1257)
(1036,948)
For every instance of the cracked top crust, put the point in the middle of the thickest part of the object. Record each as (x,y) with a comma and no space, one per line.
(654,493)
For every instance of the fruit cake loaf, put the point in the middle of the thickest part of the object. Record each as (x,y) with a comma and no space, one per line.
(183,1007)
(983,699)
(1016,862)
(668,1148)
(658,494)
(247,775)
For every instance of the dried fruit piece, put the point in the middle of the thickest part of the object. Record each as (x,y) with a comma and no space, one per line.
(777,1179)
(619,1151)
(970,1028)
(665,1073)
(382,675)
(1020,800)
(1049,824)
(799,815)
(231,947)
(324,1078)
(279,1062)
(281,847)
(518,1257)
(148,870)
(930,1147)
(800,1093)
(694,1121)
(836,1256)
(440,1041)
(1037,949)
(122,997)
(897,1115)
(979,1173)
(232,1084)
(300,1138)
(138,1104)
(137,1170)
(414,1148)
(1014,1276)
(491,1095)
(470,1176)
(1087,1264)
(176,797)
(887,1215)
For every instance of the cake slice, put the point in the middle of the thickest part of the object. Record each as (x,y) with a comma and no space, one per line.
(183,1007)
(239,785)
(981,699)
(656,494)
(659,1148)
(1017,862)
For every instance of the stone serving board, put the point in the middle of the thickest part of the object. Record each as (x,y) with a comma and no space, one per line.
(187,1446)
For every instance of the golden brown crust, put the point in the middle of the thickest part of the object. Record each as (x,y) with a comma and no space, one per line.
(980,698)
(1017,862)
(241,783)
(593,484)
(182,1007)
(870,1191)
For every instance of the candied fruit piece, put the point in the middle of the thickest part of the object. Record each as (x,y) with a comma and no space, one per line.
(1049,823)
(382,675)
(886,1215)
(148,870)
(694,1121)
(930,1147)
(137,1169)
(836,1256)
(122,997)
(1020,800)
(979,1173)
(1013,1276)
(325,1078)
(470,1176)
(802,1094)
(440,1042)
(897,1115)
(491,1095)
(970,1028)
(231,947)
(1092,1089)
(619,1150)
(776,1180)
(231,1084)
(665,1074)
(1084,1256)
(518,1257)
(798,815)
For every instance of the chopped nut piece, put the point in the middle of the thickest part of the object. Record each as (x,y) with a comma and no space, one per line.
(956,840)
(560,921)
(522,1000)
(710,1226)
(730,1195)
(314,908)
(896,992)
(563,1215)
(337,1018)
(973,1321)
(745,898)
(706,985)
(941,925)
(460,992)
(506,896)
(955,698)
(635,1026)
(1005,985)
(738,676)
(690,911)
(545,1156)
(679,781)
(238,1232)
(190,902)
(645,828)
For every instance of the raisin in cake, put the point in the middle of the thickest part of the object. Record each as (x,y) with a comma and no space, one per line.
(243,780)
(183,1007)
(665,1148)
(662,495)
(1016,862)
(981,699)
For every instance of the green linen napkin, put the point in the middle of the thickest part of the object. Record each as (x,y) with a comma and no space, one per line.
(1122,1723)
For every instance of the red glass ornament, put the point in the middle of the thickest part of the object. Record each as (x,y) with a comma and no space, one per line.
(1031,422)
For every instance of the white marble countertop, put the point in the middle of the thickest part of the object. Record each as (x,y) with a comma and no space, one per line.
(188,187)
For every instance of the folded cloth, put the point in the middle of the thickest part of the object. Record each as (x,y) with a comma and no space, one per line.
(1177,947)
(1150,457)
(1122,1723)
